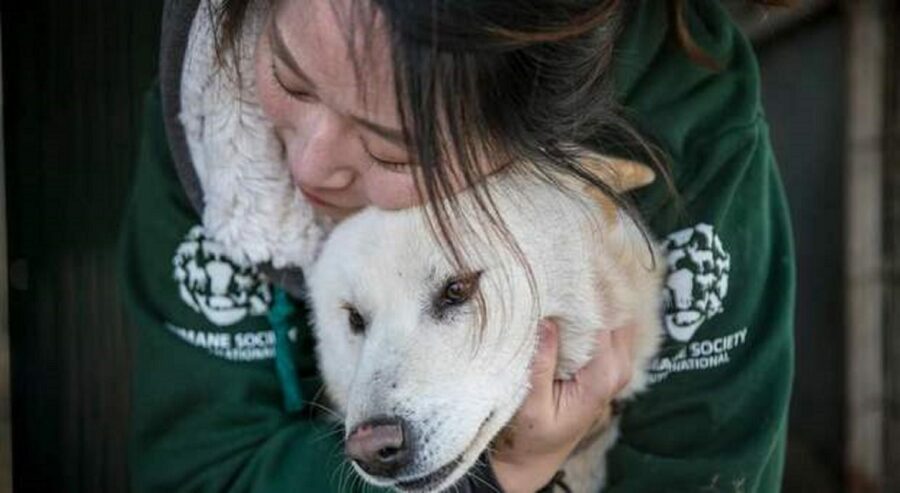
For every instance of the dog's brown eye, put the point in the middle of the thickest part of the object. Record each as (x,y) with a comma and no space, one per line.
(357,322)
(460,290)
(456,292)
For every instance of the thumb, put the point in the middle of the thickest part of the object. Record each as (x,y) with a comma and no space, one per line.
(543,366)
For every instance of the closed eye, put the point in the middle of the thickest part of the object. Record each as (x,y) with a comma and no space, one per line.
(298,94)
(393,166)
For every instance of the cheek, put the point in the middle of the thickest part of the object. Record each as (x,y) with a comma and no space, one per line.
(388,190)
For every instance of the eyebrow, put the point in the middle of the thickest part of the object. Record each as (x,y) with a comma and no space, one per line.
(280,50)
(391,134)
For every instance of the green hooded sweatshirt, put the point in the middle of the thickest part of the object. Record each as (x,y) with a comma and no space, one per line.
(211,411)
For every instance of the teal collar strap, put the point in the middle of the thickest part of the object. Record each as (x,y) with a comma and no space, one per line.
(280,315)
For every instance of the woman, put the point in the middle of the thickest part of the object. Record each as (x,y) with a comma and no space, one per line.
(393,103)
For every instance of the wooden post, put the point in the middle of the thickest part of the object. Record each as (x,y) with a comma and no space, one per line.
(865,120)
(892,253)
(761,23)
(5,401)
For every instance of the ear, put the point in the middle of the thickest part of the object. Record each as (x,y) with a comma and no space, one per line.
(620,174)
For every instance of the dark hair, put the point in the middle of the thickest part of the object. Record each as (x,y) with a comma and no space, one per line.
(521,79)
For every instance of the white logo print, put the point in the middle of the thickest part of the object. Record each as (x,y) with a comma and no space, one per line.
(698,279)
(242,346)
(216,286)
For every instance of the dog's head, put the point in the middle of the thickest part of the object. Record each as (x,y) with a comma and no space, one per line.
(418,355)
(426,361)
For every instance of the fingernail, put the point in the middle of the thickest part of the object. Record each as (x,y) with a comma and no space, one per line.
(544,333)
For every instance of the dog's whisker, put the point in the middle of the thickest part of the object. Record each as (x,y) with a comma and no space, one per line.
(350,478)
(331,430)
(336,448)
(319,392)
(481,480)
(346,483)
(346,477)
(331,412)
(335,475)
(327,435)
(357,482)
(340,474)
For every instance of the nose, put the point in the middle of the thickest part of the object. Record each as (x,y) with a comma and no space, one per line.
(379,446)
(319,160)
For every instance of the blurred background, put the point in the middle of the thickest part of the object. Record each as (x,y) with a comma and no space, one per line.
(73,76)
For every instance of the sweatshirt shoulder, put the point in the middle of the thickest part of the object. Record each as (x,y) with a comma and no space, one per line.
(676,101)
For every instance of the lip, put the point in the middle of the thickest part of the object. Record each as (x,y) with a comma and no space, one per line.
(315,199)
(318,201)
(429,480)
(434,478)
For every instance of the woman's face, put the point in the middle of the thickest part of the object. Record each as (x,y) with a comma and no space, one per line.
(341,134)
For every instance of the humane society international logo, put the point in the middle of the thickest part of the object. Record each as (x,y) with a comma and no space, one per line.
(694,292)
(216,286)
(697,282)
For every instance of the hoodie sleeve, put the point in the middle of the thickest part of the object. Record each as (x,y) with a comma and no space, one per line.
(715,415)
(208,409)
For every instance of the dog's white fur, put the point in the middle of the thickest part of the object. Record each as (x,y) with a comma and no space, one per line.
(456,382)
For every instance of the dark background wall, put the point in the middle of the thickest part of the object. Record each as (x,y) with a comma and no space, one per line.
(73,76)
(74,72)
(803,92)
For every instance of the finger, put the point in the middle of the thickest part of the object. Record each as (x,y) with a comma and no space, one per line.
(622,341)
(591,380)
(589,389)
(609,370)
(543,366)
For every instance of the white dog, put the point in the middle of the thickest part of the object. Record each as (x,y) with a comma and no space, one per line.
(428,364)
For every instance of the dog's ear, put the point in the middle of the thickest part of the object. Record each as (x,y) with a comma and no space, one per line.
(620,174)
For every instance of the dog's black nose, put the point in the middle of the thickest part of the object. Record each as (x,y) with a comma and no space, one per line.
(379,446)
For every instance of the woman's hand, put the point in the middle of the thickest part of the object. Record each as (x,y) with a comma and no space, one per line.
(558,413)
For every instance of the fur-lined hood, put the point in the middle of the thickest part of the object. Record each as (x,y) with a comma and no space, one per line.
(225,151)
